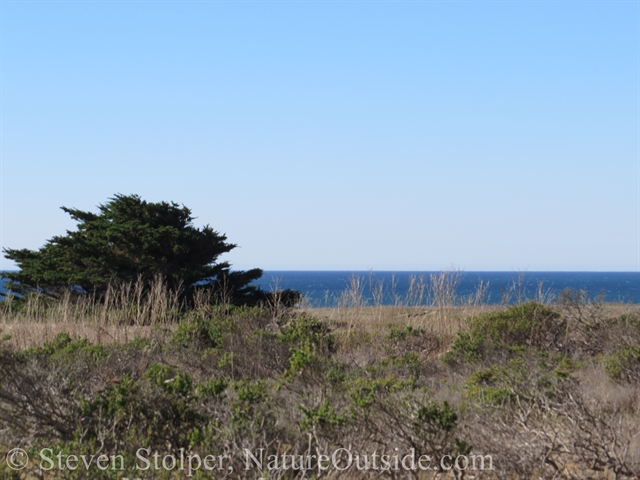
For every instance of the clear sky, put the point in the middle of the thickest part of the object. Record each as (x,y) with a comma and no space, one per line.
(334,135)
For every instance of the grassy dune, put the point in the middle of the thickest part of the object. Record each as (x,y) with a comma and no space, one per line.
(534,390)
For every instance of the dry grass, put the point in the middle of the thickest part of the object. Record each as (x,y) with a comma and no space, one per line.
(28,335)
(127,312)
(437,320)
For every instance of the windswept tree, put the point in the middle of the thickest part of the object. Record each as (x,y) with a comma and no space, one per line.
(131,240)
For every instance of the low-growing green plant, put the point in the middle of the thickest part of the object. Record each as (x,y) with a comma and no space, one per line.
(212,388)
(306,328)
(117,400)
(300,359)
(488,386)
(466,347)
(65,350)
(140,343)
(202,331)
(624,363)
(563,366)
(248,396)
(364,391)
(325,416)
(630,319)
(309,340)
(169,379)
(403,333)
(226,360)
(336,374)
(436,418)
(511,331)
(150,411)
(529,324)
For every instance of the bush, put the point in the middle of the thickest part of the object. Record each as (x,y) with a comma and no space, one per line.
(169,379)
(309,339)
(304,329)
(509,331)
(624,364)
(487,386)
(63,350)
(324,416)
(436,418)
(529,324)
(202,332)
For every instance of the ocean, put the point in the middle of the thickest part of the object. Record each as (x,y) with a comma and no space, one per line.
(333,288)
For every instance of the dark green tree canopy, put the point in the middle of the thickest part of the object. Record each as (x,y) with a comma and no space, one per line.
(131,239)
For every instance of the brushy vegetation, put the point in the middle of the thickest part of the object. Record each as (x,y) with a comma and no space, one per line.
(546,390)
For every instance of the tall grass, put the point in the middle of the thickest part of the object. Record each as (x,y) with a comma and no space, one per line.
(130,310)
(370,306)
(125,311)
(432,304)
(122,304)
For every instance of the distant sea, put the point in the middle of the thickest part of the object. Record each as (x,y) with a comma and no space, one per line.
(331,288)
(327,288)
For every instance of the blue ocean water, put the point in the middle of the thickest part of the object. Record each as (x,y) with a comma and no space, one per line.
(331,288)
(327,288)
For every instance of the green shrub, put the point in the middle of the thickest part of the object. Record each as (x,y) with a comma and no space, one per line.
(249,395)
(364,391)
(337,374)
(202,332)
(140,343)
(66,351)
(487,386)
(169,379)
(308,338)
(511,331)
(152,411)
(306,329)
(630,319)
(7,474)
(403,333)
(60,341)
(529,324)
(212,388)
(563,366)
(83,347)
(409,359)
(436,418)
(300,359)
(467,347)
(324,416)
(116,401)
(624,363)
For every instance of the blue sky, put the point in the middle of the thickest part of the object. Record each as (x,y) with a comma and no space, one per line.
(334,135)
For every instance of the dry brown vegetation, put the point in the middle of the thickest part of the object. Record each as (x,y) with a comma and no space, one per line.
(547,389)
